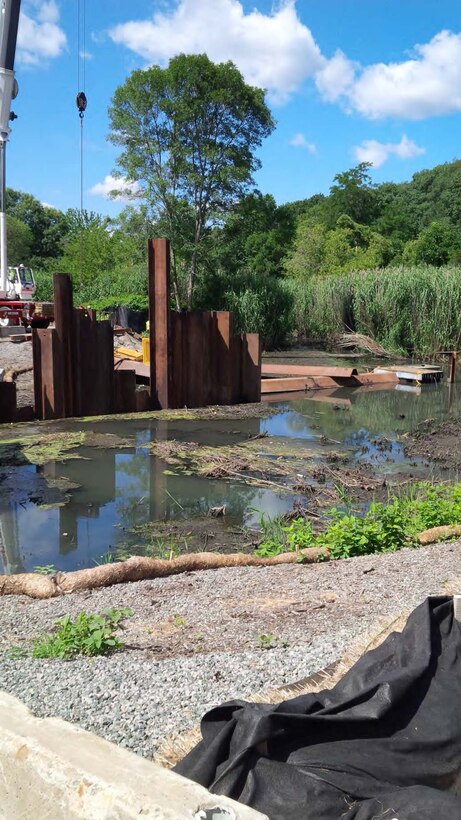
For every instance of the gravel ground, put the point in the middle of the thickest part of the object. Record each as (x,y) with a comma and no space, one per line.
(175,668)
(17,355)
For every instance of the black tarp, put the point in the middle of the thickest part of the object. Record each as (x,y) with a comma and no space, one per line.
(384,743)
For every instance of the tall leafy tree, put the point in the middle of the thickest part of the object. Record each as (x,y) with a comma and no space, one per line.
(19,241)
(47,225)
(255,236)
(188,134)
(352,194)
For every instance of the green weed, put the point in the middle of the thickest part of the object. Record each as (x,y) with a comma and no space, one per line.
(266,641)
(46,569)
(105,558)
(381,528)
(87,635)
(271,641)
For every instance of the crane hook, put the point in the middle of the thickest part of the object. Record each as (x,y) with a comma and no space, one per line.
(81,103)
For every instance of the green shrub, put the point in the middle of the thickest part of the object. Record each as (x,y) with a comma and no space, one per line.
(431,505)
(381,528)
(43,285)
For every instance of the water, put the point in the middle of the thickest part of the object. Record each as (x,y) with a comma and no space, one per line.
(107,496)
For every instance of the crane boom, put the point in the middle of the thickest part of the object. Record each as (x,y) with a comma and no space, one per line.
(9,20)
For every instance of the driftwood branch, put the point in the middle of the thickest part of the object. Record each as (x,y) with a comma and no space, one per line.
(138,568)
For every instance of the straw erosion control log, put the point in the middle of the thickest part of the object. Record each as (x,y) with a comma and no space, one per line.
(138,568)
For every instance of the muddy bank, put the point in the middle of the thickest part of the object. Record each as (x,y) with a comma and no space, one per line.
(437,442)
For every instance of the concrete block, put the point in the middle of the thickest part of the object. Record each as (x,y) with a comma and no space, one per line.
(52,770)
(11,330)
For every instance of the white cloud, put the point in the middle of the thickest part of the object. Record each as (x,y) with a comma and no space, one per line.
(40,37)
(300,141)
(378,152)
(427,85)
(278,52)
(85,55)
(48,11)
(275,51)
(116,188)
(335,77)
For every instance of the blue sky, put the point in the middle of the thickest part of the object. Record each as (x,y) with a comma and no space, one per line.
(347,80)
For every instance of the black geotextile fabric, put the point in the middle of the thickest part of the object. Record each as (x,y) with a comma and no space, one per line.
(385,742)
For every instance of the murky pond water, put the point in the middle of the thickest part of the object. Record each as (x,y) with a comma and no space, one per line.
(106,497)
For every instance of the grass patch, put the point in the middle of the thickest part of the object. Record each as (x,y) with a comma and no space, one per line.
(382,528)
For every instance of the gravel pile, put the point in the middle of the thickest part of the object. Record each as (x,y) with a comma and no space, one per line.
(193,639)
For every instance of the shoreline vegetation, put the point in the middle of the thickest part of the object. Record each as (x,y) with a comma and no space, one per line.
(422,514)
(408,310)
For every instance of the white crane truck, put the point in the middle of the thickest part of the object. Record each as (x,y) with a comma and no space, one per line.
(17,284)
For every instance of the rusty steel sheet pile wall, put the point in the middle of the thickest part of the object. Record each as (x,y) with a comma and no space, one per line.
(73,362)
(196,359)
(8,409)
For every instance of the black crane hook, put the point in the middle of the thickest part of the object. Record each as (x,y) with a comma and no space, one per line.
(81,103)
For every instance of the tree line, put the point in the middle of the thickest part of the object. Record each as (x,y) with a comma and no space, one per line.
(188,136)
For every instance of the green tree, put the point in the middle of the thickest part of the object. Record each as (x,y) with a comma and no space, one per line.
(188,134)
(135,223)
(93,253)
(47,225)
(352,194)
(255,236)
(350,246)
(436,245)
(307,257)
(19,241)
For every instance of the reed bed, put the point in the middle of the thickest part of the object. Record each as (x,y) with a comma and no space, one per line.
(411,310)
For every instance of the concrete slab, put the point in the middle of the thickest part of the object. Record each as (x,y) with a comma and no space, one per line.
(52,770)
(11,330)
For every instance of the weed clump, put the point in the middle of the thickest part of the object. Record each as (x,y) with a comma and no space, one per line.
(382,528)
(87,635)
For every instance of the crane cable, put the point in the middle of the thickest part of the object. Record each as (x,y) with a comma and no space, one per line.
(81,103)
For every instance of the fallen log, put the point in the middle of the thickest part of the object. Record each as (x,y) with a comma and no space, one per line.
(439,534)
(138,568)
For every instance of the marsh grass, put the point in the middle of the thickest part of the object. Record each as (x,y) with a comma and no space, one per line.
(413,310)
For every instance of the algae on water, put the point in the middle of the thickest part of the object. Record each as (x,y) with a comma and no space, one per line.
(59,446)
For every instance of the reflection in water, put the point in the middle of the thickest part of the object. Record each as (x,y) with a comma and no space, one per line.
(9,540)
(112,491)
(119,490)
